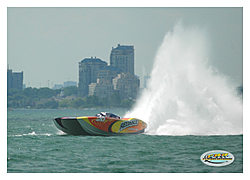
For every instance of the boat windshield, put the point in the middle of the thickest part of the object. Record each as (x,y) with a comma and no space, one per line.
(106,114)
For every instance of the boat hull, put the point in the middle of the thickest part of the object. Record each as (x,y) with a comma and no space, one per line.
(100,126)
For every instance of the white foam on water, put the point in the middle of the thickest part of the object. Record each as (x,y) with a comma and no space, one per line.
(33,133)
(185,94)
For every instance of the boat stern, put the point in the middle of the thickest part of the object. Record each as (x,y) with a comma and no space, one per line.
(69,125)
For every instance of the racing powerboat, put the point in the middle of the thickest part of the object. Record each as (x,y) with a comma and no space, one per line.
(102,124)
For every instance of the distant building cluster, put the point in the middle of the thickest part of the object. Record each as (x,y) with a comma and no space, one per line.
(65,84)
(98,78)
(14,80)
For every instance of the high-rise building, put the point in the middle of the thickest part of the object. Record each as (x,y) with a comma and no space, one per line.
(88,70)
(122,57)
(14,80)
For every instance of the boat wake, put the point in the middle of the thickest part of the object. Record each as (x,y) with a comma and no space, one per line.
(33,133)
(185,95)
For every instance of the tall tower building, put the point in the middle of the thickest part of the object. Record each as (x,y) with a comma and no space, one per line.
(14,80)
(88,70)
(122,57)
(17,80)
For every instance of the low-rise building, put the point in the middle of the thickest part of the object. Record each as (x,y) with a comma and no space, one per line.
(69,83)
(104,85)
(57,86)
(127,85)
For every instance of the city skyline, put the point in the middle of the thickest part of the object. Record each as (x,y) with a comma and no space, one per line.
(47,43)
(98,78)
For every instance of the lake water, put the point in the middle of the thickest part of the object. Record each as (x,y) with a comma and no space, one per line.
(34,145)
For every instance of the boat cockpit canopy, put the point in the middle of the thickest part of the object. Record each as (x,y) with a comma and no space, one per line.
(107,114)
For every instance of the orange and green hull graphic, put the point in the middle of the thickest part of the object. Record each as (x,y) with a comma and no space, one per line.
(100,126)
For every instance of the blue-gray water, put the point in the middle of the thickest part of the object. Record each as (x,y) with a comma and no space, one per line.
(35,145)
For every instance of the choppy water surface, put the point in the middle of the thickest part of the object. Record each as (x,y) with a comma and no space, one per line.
(35,145)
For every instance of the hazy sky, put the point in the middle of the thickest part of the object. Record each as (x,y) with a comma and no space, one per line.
(48,43)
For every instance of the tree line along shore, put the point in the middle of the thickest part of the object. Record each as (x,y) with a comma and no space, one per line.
(46,98)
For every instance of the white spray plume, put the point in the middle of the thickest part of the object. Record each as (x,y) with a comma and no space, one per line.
(185,95)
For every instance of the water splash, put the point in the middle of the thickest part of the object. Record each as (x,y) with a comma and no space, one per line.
(185,95)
